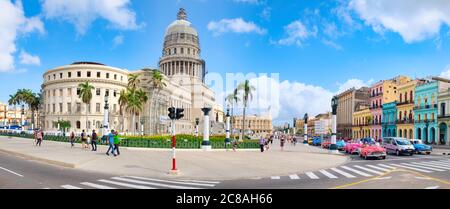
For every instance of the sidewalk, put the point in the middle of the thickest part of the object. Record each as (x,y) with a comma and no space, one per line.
(215,165)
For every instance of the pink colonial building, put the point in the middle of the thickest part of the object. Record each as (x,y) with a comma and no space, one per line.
(376,105)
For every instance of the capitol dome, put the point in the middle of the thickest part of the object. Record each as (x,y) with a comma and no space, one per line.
(181,25)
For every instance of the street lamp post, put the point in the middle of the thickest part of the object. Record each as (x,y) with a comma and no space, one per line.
(22,123)
(206,145)
(197,121)
(334,105)
(227,131)
(105,117)
(305,134)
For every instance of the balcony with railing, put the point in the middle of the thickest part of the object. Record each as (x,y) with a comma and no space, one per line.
(376,95)
(443,116)
(405,103)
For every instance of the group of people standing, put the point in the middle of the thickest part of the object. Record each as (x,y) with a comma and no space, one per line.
(112,139)
(264,142)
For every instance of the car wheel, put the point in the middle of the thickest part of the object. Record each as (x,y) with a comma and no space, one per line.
(412,153)
(384,157)
(428,153)
(397,153)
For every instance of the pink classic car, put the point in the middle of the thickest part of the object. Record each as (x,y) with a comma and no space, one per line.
(372,151)
(352,148)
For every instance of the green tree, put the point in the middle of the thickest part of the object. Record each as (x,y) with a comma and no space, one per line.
(63,125)
(133,81)
(157,84)
(86,97)
(247,96)
(232,100)
(123,102)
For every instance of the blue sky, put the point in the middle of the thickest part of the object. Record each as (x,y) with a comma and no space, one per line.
(318,47)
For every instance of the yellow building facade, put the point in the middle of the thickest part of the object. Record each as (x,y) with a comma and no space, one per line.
(361,121)
(405,109)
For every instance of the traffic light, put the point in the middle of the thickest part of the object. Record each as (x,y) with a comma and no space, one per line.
(172,113)
(180,113)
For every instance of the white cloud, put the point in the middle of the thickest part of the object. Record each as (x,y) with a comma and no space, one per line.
(236,25)
(296,33)
(248,1)
(332,44)
(82,13)
(12,23)
(446,72)
(353,83)
(266,13)
(29,59)
(118,40)
(414,20)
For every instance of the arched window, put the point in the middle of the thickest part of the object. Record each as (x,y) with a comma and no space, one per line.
(406,96)
(400,115)
(411,96)
(401,97)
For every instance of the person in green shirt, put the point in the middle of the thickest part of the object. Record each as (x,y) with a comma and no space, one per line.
(116,142)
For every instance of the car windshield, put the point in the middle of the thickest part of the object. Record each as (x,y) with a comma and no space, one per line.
(403,142)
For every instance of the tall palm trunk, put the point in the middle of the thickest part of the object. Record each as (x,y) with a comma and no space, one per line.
(243,124)
(134,123)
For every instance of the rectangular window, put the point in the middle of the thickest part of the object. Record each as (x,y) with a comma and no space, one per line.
(182,51)
(115,76)
(79,74)
(60,75)
(115,93)
(114,108)
(107,75)
(69,74)
(61,92)
(69,92)
(48,108)
(53,105)
(54,76)
(97,92)
(54,93)
(78,107)
(97,107)
(121,78)
(106,92)
(98,74)
(60,107)
(48,78)
(89,74)
(69,107)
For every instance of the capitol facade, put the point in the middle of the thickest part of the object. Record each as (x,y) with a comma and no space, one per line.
(183,72)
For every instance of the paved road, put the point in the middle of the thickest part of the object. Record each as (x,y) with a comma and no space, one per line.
(418,172)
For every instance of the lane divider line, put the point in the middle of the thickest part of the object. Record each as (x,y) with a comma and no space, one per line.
(10,171)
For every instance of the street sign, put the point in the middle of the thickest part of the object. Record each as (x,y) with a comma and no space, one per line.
(164,118)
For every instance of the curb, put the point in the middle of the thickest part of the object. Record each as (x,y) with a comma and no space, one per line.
(44,160)
(187,150)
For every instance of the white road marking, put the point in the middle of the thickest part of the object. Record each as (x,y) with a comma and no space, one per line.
(383,178)
(294,176)
(70,187)
(381,169)
(386,166)
(412,168)
(168,181)
(438,163)
(423,178)
(432,187)
(125,184)
(153,183)
(10,171)
(97,186)
(329,175)
(275,177)
(356,171)
(206,182)
(343,173)
(368,169)
(311,175)
(422,167)
(432,165)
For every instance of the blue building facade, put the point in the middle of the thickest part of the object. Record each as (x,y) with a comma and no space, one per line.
(426,111)
(389,119)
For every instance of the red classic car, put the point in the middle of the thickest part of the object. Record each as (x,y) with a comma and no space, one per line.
(326,144)
(352,148)
(372,151)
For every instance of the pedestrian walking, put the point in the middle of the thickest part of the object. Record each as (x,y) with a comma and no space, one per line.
(262,143)
(234,144)
(116,142)
(111,143)
(94,141)
(72,139)
(267,143)
(282,140)
(39,137)
(83,139)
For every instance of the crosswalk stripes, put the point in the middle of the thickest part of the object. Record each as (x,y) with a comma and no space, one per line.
(422,167)
(439,163)
(135,182)
(275,177)
(433,165)
(369,170)
(379,168)
(411,168)
(328,174)
(386,166)
(343,173)
(356,171)
(294,176)
(311,175)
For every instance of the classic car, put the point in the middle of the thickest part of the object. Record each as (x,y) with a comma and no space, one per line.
(352,147)
(340,145)
(372,151)
(420,147)
(317,141)
(326,144)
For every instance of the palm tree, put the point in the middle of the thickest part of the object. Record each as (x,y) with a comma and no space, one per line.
(86,96)
(233,99)
(157,83)
(123,101)
(13,100)
(135,100)
(133,81)
(247,96)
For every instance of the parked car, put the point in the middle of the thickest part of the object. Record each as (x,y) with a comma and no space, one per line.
(420,147)
(326,144)
(398,146)
(310,141)
(340,145)
(352,148)
(372,151)
(317,141)
(368,140)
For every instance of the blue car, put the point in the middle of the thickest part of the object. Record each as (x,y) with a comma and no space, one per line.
(317,141)
(420,147)
(340,145)
(368,141)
